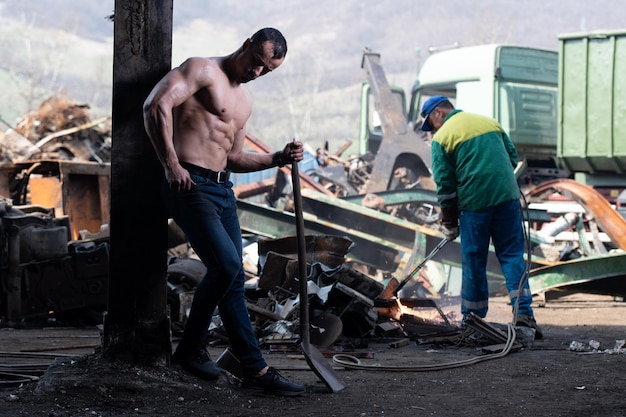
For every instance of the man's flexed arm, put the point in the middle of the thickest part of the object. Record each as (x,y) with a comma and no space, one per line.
(173,90)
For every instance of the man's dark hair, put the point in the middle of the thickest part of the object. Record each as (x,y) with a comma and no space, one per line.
(274,36)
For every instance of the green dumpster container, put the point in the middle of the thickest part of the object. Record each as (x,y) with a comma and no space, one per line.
(591,136)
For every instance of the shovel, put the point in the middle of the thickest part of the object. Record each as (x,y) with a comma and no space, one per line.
(316,361)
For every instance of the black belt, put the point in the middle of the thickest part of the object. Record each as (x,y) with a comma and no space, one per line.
(218,176)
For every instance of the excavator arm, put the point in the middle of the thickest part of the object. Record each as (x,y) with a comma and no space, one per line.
(401,147)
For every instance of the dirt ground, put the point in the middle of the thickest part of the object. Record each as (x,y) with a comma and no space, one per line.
(545,379)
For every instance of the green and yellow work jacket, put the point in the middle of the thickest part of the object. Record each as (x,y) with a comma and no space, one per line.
(473,160)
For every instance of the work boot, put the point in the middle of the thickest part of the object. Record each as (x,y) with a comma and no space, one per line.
(272,382)
(197,362)
(529,321)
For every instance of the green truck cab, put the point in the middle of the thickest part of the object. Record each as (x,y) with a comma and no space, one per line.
(515,85)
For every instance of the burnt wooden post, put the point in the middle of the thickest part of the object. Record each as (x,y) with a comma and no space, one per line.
(137,326)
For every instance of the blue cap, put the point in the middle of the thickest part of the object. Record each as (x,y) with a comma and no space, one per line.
(428,107)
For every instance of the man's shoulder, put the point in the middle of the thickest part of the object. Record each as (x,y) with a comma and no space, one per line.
(477,116)
(487,121)
(201,70)
(196,62)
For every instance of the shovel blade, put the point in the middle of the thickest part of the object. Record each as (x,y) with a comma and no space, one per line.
(320,366)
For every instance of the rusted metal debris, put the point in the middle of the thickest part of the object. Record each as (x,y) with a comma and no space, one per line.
(385,248)
(360,244)
(43,270)
(54,184)
(596,208)
(59,130)
(346,308)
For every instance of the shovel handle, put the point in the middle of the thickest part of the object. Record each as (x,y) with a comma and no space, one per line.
(302,272)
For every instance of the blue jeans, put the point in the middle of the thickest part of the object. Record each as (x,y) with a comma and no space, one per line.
(502,225)
(208,215)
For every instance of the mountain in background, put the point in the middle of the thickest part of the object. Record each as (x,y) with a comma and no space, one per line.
(65,46)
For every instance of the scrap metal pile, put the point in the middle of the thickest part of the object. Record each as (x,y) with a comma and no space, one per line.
(347,307)
(59,129)
(51,267)
(360,244)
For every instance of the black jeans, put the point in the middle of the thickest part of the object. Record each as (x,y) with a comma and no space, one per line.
(208,215)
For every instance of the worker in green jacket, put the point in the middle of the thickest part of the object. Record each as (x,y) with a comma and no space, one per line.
(473,161)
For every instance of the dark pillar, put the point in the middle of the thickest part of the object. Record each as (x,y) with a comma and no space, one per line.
(137,326)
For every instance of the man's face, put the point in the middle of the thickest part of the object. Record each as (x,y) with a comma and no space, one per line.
(259,61)
(435,119)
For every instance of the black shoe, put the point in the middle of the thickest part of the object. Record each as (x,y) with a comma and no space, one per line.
(529,321)
(198,363)
(272,382)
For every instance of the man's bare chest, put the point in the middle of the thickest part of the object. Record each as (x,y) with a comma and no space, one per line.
(229,106)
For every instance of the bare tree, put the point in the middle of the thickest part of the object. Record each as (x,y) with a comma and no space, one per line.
(291,91)
(36,62)
(300,85)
